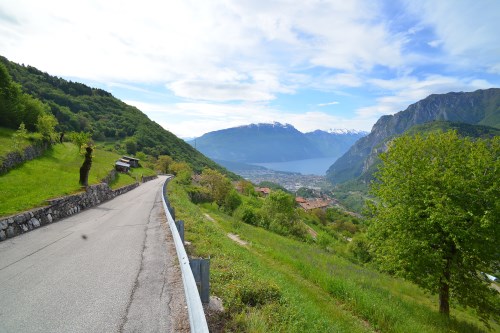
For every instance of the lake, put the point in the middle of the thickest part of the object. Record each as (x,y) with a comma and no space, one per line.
(312,166)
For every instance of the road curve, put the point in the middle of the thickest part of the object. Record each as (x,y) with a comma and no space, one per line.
(111,268)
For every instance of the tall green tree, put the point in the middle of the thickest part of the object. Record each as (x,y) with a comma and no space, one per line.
(218,185)
(163,163)
(46,125)
(436,221)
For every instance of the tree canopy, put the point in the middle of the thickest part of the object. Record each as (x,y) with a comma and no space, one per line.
(436,221)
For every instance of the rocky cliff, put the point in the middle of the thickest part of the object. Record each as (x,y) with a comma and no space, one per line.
(479,107)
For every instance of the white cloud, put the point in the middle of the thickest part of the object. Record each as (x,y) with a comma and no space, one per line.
(327,104)
(196,118)
(405,91)
(435,43)
(466,29)
(228,59)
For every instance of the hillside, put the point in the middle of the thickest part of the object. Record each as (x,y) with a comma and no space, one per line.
(272,283)
(78,107)
(481,107)
(465,130)
(261,143)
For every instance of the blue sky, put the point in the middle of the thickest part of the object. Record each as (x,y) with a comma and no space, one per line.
(198,66)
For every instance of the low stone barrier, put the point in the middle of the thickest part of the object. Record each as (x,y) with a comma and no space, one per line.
(148,178)
(15,158)
(58,208)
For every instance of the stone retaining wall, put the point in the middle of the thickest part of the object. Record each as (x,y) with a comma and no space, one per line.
(148,178)
(58,208)
(15,158)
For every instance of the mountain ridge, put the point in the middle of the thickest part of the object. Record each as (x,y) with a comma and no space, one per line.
(272,142)
(481,107)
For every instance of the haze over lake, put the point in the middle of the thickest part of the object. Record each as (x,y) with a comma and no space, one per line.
(312,166)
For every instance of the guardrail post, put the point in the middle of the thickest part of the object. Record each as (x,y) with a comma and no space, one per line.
(172,212)
(180,228)
(201,272)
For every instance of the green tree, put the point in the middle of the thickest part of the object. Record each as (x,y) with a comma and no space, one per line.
(279,214)
(46,125)
(163,163)
(19,137)
(218,185)
(232,201)
(81,140)
(436,221)
(131,146)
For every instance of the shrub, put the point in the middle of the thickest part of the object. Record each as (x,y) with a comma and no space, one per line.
(198,194)
(231,202)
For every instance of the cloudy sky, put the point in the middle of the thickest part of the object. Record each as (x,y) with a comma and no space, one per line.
(199,66)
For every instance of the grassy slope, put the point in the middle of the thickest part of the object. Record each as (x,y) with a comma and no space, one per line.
(320,292)
(54,174)
(6,144)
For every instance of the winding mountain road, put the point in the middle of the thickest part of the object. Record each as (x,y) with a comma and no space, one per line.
(111,268)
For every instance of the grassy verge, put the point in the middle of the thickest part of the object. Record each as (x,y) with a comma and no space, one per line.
(276,284)
(7,143)
(54,174)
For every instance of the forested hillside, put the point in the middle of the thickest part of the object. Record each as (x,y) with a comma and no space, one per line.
(78,107)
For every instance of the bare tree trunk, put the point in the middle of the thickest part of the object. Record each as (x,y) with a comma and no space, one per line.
(85,168)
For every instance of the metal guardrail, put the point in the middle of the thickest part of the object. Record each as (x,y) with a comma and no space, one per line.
(197,319)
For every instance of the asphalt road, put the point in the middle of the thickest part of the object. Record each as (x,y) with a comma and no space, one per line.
(111,268)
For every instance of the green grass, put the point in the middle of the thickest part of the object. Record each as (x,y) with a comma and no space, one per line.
(6,142)
(308,288)
(133,176)
(54,174)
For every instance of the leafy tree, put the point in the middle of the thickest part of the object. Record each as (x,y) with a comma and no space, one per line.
(19,136)
(247,188)
(279,214)
(163,163)
(436,221)
(131,146)
(46,125)
(81,140)
(218,185)
(182,171)
(232,201)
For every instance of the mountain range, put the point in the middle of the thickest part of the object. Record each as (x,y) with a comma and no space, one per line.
(276,142)
(481,107)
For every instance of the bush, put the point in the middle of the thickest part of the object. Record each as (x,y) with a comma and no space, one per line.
(261,293)
(248,215)
(198,194)
(360,248)
(231,202)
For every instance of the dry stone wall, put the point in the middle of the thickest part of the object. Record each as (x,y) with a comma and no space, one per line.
(58,208)
(15,158)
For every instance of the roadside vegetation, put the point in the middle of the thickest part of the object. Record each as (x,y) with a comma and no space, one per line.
(283,283)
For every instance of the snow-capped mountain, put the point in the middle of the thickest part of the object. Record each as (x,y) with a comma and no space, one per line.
(275,142)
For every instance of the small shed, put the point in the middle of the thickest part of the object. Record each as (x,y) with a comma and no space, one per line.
(134,162)
(122,167)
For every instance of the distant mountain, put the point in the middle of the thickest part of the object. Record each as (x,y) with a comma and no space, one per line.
(264,143)
(78,107)
(481,107)
(335,142)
